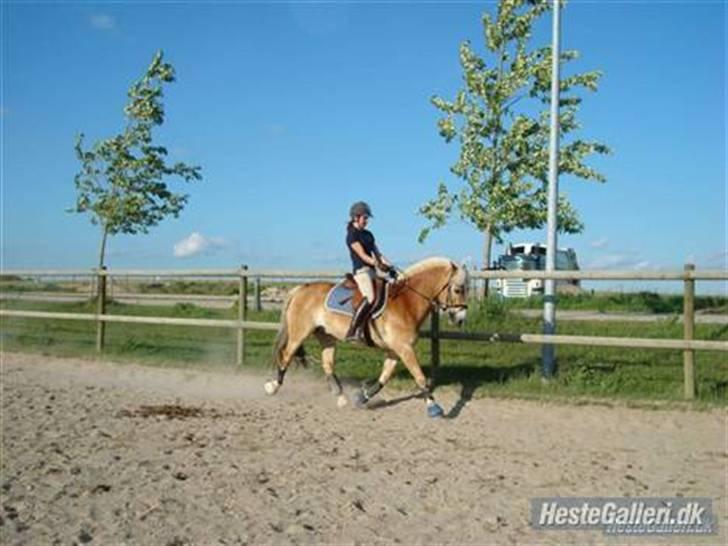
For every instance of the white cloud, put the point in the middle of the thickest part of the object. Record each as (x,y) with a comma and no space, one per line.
(102,21)
(599,243)
(197,243)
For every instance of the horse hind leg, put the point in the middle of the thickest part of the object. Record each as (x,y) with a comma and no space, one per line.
(288,348)
(271,386)
(369,390)
(298,355)
(328,363)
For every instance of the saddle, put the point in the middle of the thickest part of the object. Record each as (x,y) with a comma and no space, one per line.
(344,298)
(356,297)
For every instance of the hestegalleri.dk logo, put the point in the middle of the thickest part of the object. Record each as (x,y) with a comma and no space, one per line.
(625,516)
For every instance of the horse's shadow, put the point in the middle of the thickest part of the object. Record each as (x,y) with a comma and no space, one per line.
(469,377)
(378,403)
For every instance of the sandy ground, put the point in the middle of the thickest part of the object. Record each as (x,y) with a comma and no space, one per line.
(85,461)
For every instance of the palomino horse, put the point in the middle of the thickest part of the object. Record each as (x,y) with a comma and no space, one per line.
(430,285)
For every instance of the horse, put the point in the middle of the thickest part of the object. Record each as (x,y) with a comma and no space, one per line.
(432,285)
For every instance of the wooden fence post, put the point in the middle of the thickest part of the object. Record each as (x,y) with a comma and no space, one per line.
(689,332)
(435,342)
(100,308)
(258,306)
(242,313)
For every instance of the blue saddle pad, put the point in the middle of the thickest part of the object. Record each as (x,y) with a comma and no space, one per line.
(339,300)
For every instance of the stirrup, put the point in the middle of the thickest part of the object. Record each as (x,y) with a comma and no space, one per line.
(356,337)
(354,333)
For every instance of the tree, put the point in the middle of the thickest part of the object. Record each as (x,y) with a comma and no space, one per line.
(121,181)
(501,121)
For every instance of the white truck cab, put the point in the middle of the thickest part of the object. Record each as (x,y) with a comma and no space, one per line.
(531,257)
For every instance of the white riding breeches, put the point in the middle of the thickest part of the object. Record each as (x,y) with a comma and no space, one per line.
(364,280)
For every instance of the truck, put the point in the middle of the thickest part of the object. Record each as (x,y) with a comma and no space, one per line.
(532,257)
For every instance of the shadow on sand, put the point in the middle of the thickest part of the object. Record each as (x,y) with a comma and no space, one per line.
(468,376)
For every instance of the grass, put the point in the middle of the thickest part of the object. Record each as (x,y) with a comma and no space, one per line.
(17,285)
(207,288)
(474,368)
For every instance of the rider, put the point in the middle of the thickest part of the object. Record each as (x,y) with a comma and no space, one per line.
(365,259)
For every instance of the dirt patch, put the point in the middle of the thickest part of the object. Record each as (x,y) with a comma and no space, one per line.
(170,411)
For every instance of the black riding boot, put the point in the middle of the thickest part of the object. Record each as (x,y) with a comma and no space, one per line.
(360,319)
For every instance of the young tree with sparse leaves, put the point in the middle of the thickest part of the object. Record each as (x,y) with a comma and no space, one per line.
(121,183)
(504,140)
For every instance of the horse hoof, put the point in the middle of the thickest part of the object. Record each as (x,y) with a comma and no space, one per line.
(434,410)
(360,399)
(342,401)
(271,387)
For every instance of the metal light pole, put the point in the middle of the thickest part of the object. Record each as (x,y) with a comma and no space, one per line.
(549,307)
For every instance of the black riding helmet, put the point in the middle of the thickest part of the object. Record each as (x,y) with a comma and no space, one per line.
(360,208)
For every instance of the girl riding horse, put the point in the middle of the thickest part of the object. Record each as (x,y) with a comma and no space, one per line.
(432,285)
(365,260)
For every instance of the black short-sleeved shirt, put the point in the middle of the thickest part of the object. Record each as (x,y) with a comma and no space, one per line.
(366,239)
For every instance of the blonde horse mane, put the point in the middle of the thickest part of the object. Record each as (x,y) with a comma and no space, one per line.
(427,264)
(461,272)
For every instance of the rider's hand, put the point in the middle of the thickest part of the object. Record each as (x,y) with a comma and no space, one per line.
(392,273)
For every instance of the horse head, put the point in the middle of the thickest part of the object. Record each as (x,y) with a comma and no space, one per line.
(454,298)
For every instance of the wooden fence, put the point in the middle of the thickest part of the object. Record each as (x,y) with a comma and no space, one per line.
(688,276)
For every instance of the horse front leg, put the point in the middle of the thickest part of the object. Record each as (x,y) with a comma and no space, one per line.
(409,358)
(368,391)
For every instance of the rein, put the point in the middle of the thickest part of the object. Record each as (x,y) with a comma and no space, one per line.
(433,300)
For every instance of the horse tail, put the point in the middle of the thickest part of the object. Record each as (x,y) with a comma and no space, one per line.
(282,336)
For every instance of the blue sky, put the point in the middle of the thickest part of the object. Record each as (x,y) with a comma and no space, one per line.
(295,110)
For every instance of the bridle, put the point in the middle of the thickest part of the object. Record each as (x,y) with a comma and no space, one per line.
(434,301)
